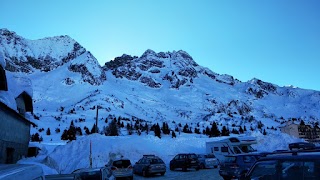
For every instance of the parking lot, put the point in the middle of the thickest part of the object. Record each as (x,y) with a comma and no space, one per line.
(203,174)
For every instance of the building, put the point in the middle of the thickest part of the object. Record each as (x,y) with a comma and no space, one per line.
(307,132)
(15,102)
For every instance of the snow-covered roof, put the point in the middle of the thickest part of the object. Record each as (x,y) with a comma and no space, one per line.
(17,84)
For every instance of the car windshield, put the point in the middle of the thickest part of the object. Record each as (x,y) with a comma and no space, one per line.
(247,149)
(156,161)
(122,163)
(230,159)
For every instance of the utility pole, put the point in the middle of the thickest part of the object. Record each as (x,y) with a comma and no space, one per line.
(90,155)
(97,114)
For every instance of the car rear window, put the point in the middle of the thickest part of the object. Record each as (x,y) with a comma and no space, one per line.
(156,161)
(210,156)
(122,163)
(230,159)
(90,175)
(192,156)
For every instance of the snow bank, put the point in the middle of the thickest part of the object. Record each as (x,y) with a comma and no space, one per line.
(74,155)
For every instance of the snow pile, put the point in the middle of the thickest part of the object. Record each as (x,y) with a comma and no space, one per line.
(74,155)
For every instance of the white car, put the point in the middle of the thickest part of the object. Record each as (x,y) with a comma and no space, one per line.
(208,161)
(120,168)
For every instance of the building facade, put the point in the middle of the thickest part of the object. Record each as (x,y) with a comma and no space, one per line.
(307,132)
(14,135)
(14,127)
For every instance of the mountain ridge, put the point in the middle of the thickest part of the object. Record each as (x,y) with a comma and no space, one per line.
(155,87)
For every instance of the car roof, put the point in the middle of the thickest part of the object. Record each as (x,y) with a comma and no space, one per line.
(186,153)
(121,159)
(21,170)
(86,170)
(244,154)
(309,156)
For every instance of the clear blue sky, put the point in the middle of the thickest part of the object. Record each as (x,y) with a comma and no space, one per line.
(277,41)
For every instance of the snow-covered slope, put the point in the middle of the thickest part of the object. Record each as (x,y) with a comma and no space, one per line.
(69,85)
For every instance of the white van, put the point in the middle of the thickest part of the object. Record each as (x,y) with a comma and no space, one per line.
(230,146)
(21,171)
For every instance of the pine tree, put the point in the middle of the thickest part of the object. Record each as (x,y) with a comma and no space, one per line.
(93,129)
(225,131)
(260,125)
(173,134)
(208,131)
(302,123)
(241,131)
(157,131)
(264,132)
(215,132)
(244,128)
(71,132)
(146,127)
(129,129)
(48,132)
(112,129)
(185,128)
(64,135)
(35,138)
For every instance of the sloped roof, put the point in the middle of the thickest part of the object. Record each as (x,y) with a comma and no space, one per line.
(4,106)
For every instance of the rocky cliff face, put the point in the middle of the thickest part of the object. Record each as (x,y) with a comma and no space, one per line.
(44,55)
(153,69)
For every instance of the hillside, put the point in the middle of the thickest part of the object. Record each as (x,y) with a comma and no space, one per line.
(69,84)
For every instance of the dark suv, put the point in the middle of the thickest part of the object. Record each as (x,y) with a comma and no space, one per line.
(237,165)
(294,165)
(149,165)
(185,161)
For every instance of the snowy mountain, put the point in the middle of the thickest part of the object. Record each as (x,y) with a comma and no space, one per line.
(44,55)
(69,84)
(155,87)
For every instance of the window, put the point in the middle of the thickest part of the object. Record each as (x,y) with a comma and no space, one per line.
(236,150)
(216,148)
(264,169)
(224,149)
(233,140)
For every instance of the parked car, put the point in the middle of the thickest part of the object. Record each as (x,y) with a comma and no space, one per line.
(286,166)
(89,173)
(149,165)
(208,161)
(301,145)
(237,165)
(21,171)
(120,168)
(185,161)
